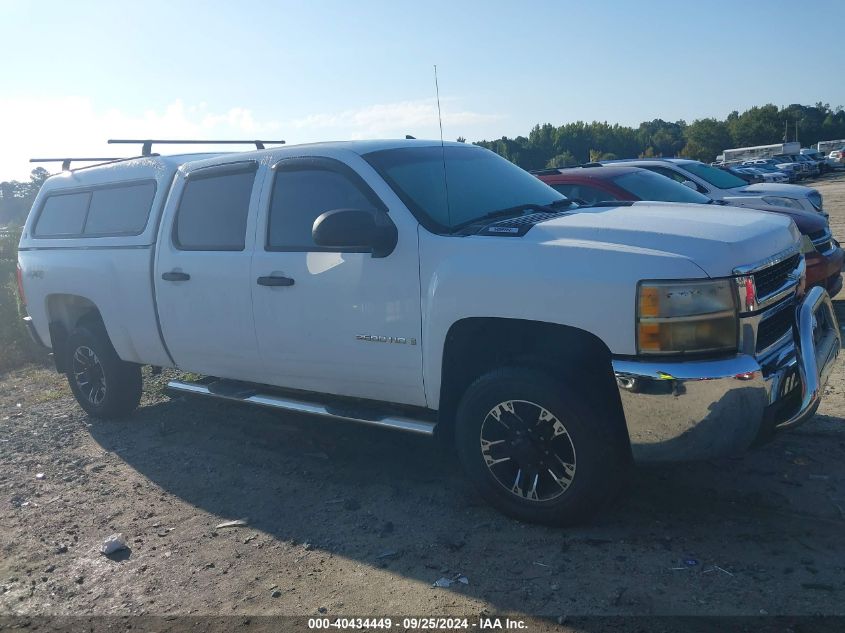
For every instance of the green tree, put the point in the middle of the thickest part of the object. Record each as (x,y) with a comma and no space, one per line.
(705,139)
(565,159)
(16,198)
(758,126)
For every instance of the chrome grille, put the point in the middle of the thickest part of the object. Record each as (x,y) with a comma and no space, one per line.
(772,328)
(768,280)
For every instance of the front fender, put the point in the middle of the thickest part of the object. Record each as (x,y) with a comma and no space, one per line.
(586,285)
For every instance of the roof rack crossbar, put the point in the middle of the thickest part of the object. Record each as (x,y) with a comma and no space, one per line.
(147,144)
(67,161)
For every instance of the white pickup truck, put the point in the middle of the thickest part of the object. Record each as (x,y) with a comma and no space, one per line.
(419,287)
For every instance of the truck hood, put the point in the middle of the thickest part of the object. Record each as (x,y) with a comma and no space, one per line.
(774,189)
(806,221)
(715,238)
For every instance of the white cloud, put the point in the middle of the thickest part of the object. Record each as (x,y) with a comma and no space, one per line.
(404,117)
(74,126)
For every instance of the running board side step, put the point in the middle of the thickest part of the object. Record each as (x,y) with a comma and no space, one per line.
(285,403)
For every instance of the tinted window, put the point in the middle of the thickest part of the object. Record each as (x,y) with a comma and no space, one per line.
(477,180)
(716,177)
(302,195)
(588,194)
(669,173)
(213,211)
(120,209)
(63,215)
(647,185)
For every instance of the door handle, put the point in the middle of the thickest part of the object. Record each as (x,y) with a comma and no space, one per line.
(175,276)
(275,280)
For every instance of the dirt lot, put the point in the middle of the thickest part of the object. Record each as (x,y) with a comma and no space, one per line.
(345,520)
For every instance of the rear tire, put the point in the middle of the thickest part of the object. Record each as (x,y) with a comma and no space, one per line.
(104,385)
(537,450)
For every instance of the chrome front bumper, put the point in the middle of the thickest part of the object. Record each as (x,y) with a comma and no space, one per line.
(686,410)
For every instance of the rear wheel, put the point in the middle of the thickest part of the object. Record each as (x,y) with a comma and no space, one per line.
(104,385)
(537,451)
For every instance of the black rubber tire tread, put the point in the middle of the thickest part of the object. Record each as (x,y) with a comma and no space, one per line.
(123,380)
(602,451)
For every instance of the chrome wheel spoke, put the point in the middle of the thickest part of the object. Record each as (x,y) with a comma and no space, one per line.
(489,459)
(89,375)
(500,410)
(515,487)
(563,481)
(532,494)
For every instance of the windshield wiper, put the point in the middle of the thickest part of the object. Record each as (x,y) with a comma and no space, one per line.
(607,203)
(557,204)
(517,210)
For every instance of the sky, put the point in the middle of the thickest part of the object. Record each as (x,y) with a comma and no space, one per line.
(77,73)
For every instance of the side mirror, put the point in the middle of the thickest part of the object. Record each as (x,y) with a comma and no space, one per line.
(355,230)
(690,184)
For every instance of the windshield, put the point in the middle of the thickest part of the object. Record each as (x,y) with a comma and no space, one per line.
(716,177)
(646,185)
(478,181)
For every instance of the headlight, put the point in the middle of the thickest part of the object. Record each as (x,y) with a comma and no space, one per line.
(807,245)
(782,202)
(686,317)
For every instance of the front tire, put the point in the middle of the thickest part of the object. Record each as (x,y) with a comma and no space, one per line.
(538,451)
(103,385)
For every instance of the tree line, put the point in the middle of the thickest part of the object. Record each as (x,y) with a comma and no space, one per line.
(17,197)
(703,139)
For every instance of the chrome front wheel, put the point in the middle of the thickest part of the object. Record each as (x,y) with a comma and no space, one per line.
(541,449)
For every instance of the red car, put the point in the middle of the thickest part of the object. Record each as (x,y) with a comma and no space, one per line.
(595,183)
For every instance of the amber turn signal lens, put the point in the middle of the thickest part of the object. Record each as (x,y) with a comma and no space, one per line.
(650,337)
(649,301)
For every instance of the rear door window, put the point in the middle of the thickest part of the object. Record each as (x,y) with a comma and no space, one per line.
(63,215)
(213,210)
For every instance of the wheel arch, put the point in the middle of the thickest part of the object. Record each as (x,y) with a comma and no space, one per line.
(66,312)
(476,345)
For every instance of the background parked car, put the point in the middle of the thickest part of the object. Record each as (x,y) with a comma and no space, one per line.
(815,166)
(838,155)
(721,185)
(824,163)
(770,173)
(802,170)
(748,174)
(596,183)
(789,169)
(757,173)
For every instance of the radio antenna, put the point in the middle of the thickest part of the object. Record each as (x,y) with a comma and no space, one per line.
(442,145)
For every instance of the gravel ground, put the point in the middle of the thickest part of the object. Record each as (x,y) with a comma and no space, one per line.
(353,521)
